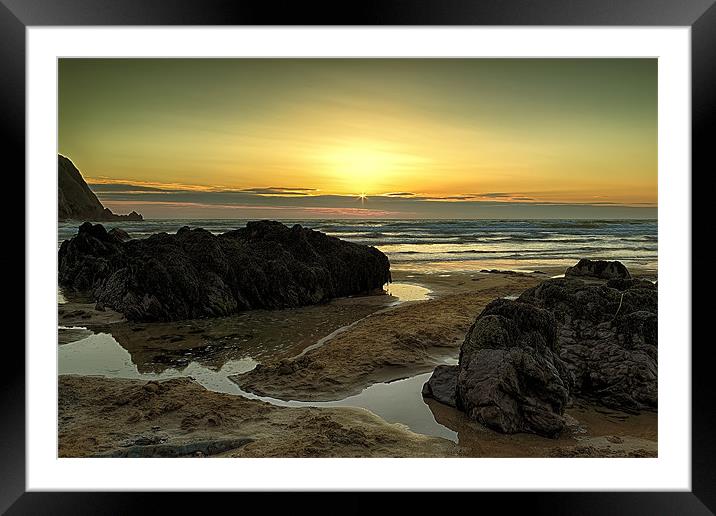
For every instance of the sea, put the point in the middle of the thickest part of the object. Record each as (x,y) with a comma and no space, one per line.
(460,245)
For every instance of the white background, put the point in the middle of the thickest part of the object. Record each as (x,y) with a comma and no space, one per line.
(671,470)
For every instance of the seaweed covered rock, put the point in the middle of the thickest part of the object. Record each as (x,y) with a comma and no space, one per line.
(194,273)
(607,332)
(510,377)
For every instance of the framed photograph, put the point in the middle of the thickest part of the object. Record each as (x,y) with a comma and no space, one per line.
(417,248)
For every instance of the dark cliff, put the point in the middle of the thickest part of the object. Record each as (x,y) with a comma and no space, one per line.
(76,201)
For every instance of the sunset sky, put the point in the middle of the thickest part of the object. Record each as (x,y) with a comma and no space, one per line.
(388,138)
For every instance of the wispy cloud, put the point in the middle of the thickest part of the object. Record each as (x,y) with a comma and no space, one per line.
(400,194)
(170,207)
(493,194)
(279,190)
(450,198)
(355,212)
(111,186)
(271,197)
(98,183)
(123,187)
(157,201)
(507,196)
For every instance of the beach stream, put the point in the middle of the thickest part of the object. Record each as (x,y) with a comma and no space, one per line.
(210,351)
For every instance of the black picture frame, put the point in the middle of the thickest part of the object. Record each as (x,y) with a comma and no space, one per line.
(17,15)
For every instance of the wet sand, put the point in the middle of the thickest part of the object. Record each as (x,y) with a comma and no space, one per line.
(326,352)
(279,334)
(388,345)
(592,431)
(179,418)
(79,313)
(105,417)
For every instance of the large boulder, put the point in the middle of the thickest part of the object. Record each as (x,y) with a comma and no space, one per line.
(607,332)
(598,269)
(194,274)
(510,377)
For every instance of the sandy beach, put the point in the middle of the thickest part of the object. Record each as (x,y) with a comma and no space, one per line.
(325,354)
(114,417)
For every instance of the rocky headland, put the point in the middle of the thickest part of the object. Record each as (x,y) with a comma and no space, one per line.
(75,199)
(194,273)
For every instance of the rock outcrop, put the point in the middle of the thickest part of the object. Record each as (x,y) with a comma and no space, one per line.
(598,269)
(75,200)
(194,274)
(509,377)
(442,385)
(592,333)
(607,332)
(119,234)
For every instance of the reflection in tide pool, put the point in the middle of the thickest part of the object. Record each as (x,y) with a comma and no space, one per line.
(101,355)
(400,401)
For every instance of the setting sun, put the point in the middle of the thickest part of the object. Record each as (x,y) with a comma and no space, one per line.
(365,168)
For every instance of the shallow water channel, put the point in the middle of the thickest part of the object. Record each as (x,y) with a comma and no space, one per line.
(212,350)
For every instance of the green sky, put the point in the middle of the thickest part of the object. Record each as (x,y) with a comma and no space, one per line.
(453,137)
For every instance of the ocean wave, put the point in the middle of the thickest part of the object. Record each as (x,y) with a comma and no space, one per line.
(523,241)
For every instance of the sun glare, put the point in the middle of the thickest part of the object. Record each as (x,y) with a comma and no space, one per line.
(363,168)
